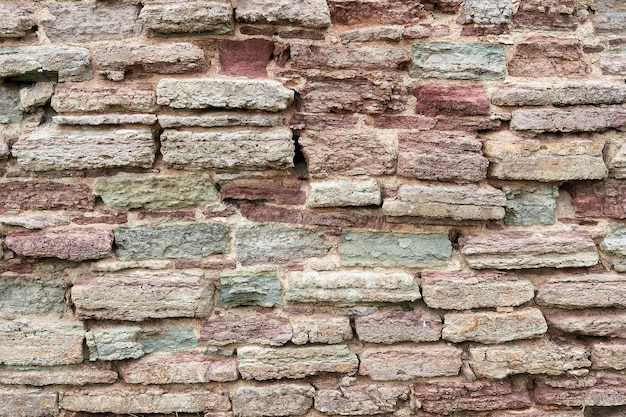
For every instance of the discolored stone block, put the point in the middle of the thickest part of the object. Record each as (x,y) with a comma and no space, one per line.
(401,363)
(198,16)
(306,13)
(74,245)
(240,289)
(253,327)
(273,400)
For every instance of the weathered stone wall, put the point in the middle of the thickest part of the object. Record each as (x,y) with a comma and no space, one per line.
(313,207)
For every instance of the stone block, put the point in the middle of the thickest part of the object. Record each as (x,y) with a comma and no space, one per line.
(198,16)
(584,291)
(360,399)
(599,198)
(273,400)
(614,244)
(388,12)
(243,149)
(18,19)
(248,58)
(468,290)
(34,63)
(44,195)
(569,93)
(74,245)
(248,288)
(37,95)
(521,250)
(393,326)
(388,249)
(467,61)
(320,329)
(451,100)
(191,241)
(34,221)
(266,243)
(348,57)
(267,363)
(223,119)
(351,287)
(203,93)
(285,190)
(32,294)
(441,156)
(609,17)
(344,193)
(402,363)
(601,391)
(609,355)
(58,375)
(390,33)
(589,323)
(549,57)
(569,119)
(528,205)
(306,13)
(301,121)
(335,218)
(28,402)
(55,149)
(490,12)
(254,327)
(103,97)
(553,15)
(10,106)
(613,61)
(142,295)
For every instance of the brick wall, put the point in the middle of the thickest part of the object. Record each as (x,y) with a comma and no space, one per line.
(313,207)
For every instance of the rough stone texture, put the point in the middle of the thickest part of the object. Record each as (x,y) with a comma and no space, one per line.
(466,290)
(273,400)
(145,400)
(347,153)
(266,363)
(10,106)
(337,218)
(528,205)
(351,287)
(278,244)
(599,199)
(401,363)
(348,57)
(545,159)
(458,202)
(44,195)
(441,156)
(490,12)
(449,397)
(590,323)
(28,402)
(198,16)
(18,19)
(21,295)
(493,327)
(180,367)
(86,21)
(274,190)
(609,17)
(53,149)
(574,119)
(382,249)
(392,12)
(58,375)
(142,295)
(248,57)
(106,119)
(542,356)
(554,15)
(74,245)
(241,289)
(306,13)
(560,94)
(378,33)
(392,326)
(461,61)
(451,100)
(36,95)
(192,241)
(225,119)
(519,250)
(91,98)
(41,341)
(320,329)
(36,62)
(267,95)
(548,57)
(613,61)
(163,192)
(584,291)
(601,390)
(360,399)
(614,244)
(344,193)
(265,329)
(608,355)
(34,221)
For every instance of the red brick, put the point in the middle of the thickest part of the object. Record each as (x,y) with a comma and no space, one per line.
(475,30)
(248,57)
(599,198)
(549,57)
(44,195)
(76,245)
(451,100)
(357,12)
(300,121)
(284,190)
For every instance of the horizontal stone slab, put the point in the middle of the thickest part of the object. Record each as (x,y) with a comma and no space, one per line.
(26,294)
(609,323)
(609,355)
(467,290)
(391,33)
(23,402)
(249,288)
(560,94)
(584,291)
(284,190)
(596,390)
(142,295)
(253,327)
(451,100)
(402,363)
(198,16)
(542,356)
(58,375)
(574,119)
(336,193)
(36,62)
(393,326)
(223,119)
(273,400)
(74,245)
(520,250)
(351,287)
(614,244)
(307,13)
(320,329)
(106,119)
(55,149)
(360,399)
(348,57)
(245,149)
(267,363)
(203,93)
(104,97)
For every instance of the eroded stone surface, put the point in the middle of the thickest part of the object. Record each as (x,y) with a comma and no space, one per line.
(254,327)
(18,19)
(240,289)
(58,375)
(44,195)
(360,399)
(348,57)
(614,244)
(590,323)
(392,326)
(320,329)
(530,204)
(307,13)
(36,62)
(21,295)
(344,193)
(92,98)
(560,94)
(401,363)
(25,402)
(273,400)
(584,291)
(569,119)
(198,16)
(74,245)
(601,390)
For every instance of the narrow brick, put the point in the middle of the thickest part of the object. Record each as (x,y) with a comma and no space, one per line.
(320,329)
(273,400)
(609,323)
(267,363)
(348,57)
(574,119)
(192,241)
(351,287)
(393,326)
(602,391)
(75,245)
(360,399)
(18,19)
(198,16)
(249,288)
(306,13)
(106,119)
(614,244)
(599,198)
(58,375)
(28,402)
(22,295)
(548,57)
(344,193)
(254,327)
(401,363)
(570,93)
(520,250)
(585,291)
(451,100)
(467,290)
(142,295)
(34,62)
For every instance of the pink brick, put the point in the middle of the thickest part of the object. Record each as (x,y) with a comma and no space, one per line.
(74,245)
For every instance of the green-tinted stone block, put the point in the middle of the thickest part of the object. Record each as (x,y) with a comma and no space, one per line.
(531,205)
(250,289)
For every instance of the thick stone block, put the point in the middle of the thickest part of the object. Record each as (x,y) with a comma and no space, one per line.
(273,400)
(266,243)
(306,13)
(74,245)
(58,375)
(320,329)
(179,367)
(360,399)
(344,193)
(468,61)
(254,327)
(203,93)
(244,149)
(21,295)
(388,12)
(86,21)
(18,19)
(401,363)
(267,363)
(341,152)
(25,402)
(54,149)
(599,199)
(589,323)
(467,290)
(530,204)
(493,327)
(41,341)
(162,192)
(571,93)
(490,12)
(542,356)
(250,289)
(351,287)
(441,156)
(142,295)
(393,326)
(521,250)
(103,97)
(458,202)
(609,355)
(36,62)
(191,241)
(614,244)
(348,57)
(385,249)
(549,57)
(451,100)
(198,16)
(584,291)
(604,390)
(569,119)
